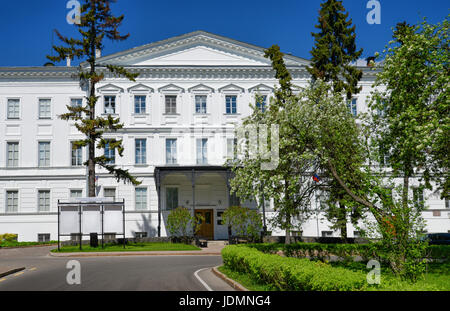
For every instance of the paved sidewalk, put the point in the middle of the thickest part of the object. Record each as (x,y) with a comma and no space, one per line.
(214,249)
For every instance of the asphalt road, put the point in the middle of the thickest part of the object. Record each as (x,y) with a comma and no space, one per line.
(126,273)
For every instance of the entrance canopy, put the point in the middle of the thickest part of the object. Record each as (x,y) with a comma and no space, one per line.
(192,173)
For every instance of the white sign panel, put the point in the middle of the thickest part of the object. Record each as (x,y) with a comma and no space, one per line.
(113,220)
(69,220)
(91,221)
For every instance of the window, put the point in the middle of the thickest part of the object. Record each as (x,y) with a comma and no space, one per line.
(110,154)
(44,154)
(110,104)
(43,237)
(219,218)
(171,104)
(327,234)
(12,201)
(139,104)
(13,154)
(44,200)
(357,234)
(230,102)
(140,235)
(352,106)
(171,151)
(200,104)
(382,112)
(202,151)
(140,151)
(44,108)
(77,155)
(384,156)
(447,203)
(171,198)
(76,193)
(75,237)
(261,103)
(436,213)
(231,148)
(13,109)
(141,199)
(234,200)
(109,193)
(418,197)
(75,103)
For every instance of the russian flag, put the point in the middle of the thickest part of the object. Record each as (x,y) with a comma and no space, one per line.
(316,178)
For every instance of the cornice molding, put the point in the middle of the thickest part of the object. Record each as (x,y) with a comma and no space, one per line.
(164,73)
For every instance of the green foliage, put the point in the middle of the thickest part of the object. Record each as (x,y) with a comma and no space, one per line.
(291,274)
(335,49)
(440,252)
(181,224)
(415,108)
(8,237)
(243,221)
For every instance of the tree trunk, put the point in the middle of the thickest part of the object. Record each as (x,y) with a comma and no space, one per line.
(91,163)
(343,222)
(288,229)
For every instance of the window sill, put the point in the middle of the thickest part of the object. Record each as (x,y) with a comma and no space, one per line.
(171,114)
(140,115)
(114,115)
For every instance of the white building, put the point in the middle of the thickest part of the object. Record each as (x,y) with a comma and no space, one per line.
(179,120)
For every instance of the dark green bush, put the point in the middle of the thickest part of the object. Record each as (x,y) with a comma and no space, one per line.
(347,252)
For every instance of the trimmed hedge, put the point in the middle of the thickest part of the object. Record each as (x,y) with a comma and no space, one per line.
(291,274)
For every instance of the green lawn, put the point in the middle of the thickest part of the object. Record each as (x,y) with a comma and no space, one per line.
(437,277)
(131,247)
(245,280)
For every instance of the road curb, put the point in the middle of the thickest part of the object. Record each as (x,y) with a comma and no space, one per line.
(3,274)
(229,281)
(120,254)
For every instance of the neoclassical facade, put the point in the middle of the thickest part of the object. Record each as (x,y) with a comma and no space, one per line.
(179,119)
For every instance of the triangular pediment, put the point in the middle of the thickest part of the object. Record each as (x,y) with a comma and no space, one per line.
(171,88)
(231,88)
(196,49)
(261,88)
(110,88)
(201,88)
(140,88)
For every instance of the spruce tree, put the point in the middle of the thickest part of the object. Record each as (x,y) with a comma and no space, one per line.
(332,58)
(96,23)
(335,49)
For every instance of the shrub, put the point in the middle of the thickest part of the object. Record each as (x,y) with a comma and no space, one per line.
(347,252)
(181,225)
(243,222)
(8,237)
(439,252)
(291,273)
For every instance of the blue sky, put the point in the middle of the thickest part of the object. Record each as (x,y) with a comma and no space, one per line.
(26,25)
